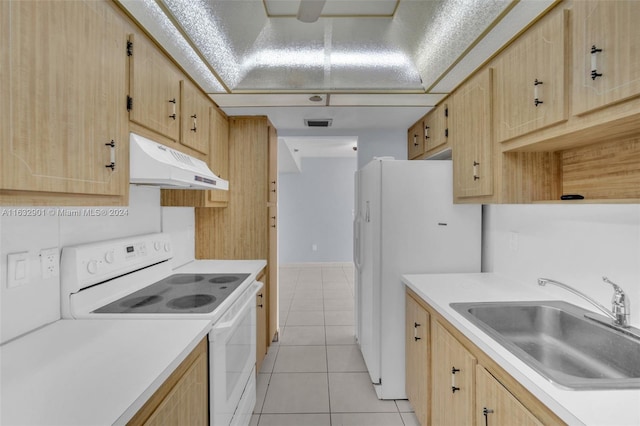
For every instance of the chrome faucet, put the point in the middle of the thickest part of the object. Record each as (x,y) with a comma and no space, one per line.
(619,312)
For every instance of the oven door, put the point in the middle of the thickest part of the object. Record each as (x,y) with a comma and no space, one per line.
(232,359)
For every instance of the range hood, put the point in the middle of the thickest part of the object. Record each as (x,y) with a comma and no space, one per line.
(151,163)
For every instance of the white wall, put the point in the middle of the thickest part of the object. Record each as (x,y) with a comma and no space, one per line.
(32,305)
(575,244)
(316,207)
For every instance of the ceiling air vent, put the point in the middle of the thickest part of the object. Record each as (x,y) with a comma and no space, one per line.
(318,122)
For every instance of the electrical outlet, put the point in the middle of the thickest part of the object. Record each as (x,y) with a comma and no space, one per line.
(49,263)
(513,241)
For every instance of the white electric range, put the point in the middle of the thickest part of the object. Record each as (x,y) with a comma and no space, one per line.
(132,278)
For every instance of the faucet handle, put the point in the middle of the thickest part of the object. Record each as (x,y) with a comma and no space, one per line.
(616,287)
(620,304)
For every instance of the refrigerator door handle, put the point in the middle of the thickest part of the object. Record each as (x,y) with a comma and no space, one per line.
(356,243)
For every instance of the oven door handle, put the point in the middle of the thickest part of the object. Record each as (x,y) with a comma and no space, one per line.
(217,328)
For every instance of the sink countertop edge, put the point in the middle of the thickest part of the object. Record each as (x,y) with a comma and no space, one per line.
(570,405)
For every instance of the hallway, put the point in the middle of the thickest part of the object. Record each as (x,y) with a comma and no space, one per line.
(315,374)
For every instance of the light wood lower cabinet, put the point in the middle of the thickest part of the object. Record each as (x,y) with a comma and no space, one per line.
(450,381)
(495,406)
(452,369)
(183,399)
(417,363)
(262,324)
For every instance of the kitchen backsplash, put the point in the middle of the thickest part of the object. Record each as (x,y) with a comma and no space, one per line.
(576,244)
(32,305)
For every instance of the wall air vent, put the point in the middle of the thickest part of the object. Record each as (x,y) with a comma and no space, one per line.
(318,122)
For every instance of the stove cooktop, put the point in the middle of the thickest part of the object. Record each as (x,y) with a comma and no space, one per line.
(179,294)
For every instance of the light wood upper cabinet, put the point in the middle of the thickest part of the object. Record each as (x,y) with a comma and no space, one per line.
(194,118)
(273,165)
(154,89)
(219,155)
(530,79)
(496,406)
(415,140)
(606,53)
(453,371)
(63,78)
(470,131)
(436,131)
(417,342)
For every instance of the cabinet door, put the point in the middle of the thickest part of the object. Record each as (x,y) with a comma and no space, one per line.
(273,165)
(417,359)
(262,325)
(496,406)
(612,72)
(415,141)
(155,89)
(471,135)
(183,399)
(194,118)
(530,77)
(435,127)
(453,370)
(219,153)
(63,76)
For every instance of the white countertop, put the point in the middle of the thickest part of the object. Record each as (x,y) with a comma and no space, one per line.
(252,267)
(91,372)
(603,407)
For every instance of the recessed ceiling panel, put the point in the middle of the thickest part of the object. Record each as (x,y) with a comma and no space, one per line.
(406,52)
(334,8)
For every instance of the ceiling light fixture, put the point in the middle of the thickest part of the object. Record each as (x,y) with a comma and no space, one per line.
(316,98)
(310,10)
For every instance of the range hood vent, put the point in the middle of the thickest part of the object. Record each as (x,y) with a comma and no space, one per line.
(158,165)
(318,122)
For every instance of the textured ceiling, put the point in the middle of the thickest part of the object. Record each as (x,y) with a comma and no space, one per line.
(252,50)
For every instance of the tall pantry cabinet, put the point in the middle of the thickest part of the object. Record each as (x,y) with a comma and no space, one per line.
(247,227)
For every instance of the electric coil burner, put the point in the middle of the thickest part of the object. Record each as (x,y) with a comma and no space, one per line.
(179,293)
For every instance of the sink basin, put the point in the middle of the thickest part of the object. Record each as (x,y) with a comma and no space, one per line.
(555,339)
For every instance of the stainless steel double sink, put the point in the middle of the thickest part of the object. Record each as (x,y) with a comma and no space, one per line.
(559,342)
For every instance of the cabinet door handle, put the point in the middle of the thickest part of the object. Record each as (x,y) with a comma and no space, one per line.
(426,132)
(415,331)
(274,221)
(194,128)
(594,62)
(415,140)
(173,108)
(112,155)
(273,182)
(476,175)
(536,95)
(261,300)
(485,412)
(454,388)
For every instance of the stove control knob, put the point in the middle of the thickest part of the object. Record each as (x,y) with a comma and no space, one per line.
(109,256)
(167,247)
(92,266)
(157,245)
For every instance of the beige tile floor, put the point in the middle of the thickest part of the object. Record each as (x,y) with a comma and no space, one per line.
(315,374)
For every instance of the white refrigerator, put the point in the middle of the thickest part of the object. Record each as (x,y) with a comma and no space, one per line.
(405,223)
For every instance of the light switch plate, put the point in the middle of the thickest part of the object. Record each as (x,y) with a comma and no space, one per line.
(17,269)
